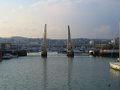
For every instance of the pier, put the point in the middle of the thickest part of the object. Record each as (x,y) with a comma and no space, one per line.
(105,53)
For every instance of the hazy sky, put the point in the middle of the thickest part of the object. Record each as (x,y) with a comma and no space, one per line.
(87,18)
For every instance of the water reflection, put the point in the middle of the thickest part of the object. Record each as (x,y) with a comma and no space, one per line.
(115,79)
(115,73)
(69,79)
(44,62)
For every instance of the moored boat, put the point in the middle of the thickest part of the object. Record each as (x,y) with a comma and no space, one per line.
(7,56)
(115,65)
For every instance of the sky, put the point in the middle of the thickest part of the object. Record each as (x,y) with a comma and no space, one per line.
(87,18)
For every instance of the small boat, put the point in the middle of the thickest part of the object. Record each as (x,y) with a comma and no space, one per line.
(115,65)
(7,56)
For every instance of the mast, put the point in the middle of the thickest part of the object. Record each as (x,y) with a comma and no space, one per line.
(44,43)
(119,40)
(70,52)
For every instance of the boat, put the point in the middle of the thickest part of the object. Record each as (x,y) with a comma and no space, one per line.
(62,52)
(7,56)
(116,65)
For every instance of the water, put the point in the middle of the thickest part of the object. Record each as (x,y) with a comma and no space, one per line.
(57,72)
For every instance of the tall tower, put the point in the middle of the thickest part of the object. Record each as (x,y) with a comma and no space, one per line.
(70,52)
(44,43)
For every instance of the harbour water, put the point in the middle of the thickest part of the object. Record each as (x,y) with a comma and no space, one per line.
(58,72)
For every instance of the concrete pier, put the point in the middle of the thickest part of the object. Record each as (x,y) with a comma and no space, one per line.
(105,53)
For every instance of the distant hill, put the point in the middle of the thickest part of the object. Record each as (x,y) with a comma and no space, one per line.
(28,41)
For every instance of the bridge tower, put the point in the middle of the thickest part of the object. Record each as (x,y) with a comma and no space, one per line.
(44,43)
(70,51)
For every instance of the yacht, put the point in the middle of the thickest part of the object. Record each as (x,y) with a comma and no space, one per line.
(115,65)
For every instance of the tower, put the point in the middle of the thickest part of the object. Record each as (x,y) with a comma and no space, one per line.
(44,43)
(70,52)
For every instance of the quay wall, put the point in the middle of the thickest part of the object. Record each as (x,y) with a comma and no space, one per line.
(105,53)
